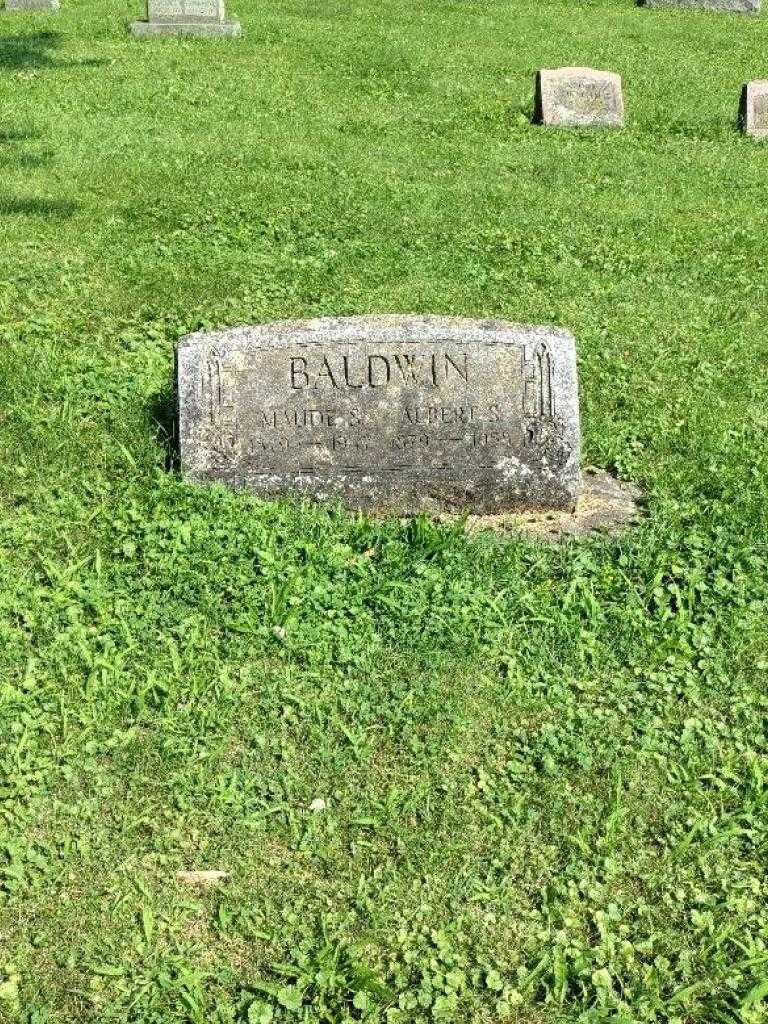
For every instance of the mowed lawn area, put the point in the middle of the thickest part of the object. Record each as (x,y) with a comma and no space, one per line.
(543,768)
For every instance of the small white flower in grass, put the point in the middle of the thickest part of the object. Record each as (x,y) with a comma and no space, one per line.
(318,804)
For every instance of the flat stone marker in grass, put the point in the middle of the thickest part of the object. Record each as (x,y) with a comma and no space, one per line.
(39,6)
(725,6)
(391,413)
(579,97)
(754,109)
(186,18)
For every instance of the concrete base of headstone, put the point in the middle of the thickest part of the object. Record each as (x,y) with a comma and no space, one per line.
(723,6)
(606,507)
(579,98)
(202,29)
(753,114)
(32,6)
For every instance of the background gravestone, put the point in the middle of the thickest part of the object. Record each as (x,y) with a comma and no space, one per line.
(754,109)
(186,17)
(391,412)
(43,6)
(727,6)
(579,97)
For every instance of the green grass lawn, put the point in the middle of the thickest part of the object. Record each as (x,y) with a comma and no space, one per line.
(544,768)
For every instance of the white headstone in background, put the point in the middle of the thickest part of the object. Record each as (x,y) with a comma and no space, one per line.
(754,109)
(579,98)
(39,6)
(724,6)
(186,17)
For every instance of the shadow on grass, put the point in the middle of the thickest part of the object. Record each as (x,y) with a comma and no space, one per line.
(30,207)
(30,160)
(18,135)
(27,52)
(161,409)
(10,156)
(20,53)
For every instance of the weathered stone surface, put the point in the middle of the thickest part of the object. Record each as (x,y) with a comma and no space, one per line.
(606,507)
(393,413)
(39,6)
(186,17)
(579,97)
(185,10)
(725,6)
(754,109)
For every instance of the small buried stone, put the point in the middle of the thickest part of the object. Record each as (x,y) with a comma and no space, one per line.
(388,413)
(606,506)
(754,109)
(201,877)
(579,98)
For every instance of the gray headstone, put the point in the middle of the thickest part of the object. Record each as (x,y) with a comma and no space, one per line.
(579,97)
(186,17)
(40,6)
(726,6)
(754,109)
(394,413)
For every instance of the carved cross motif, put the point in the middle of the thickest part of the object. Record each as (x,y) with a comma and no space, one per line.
(216,400)
(538,398)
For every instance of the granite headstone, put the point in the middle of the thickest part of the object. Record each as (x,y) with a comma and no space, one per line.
(396,413)
(186,17)
(724,6)
(579,97)
(754,109)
